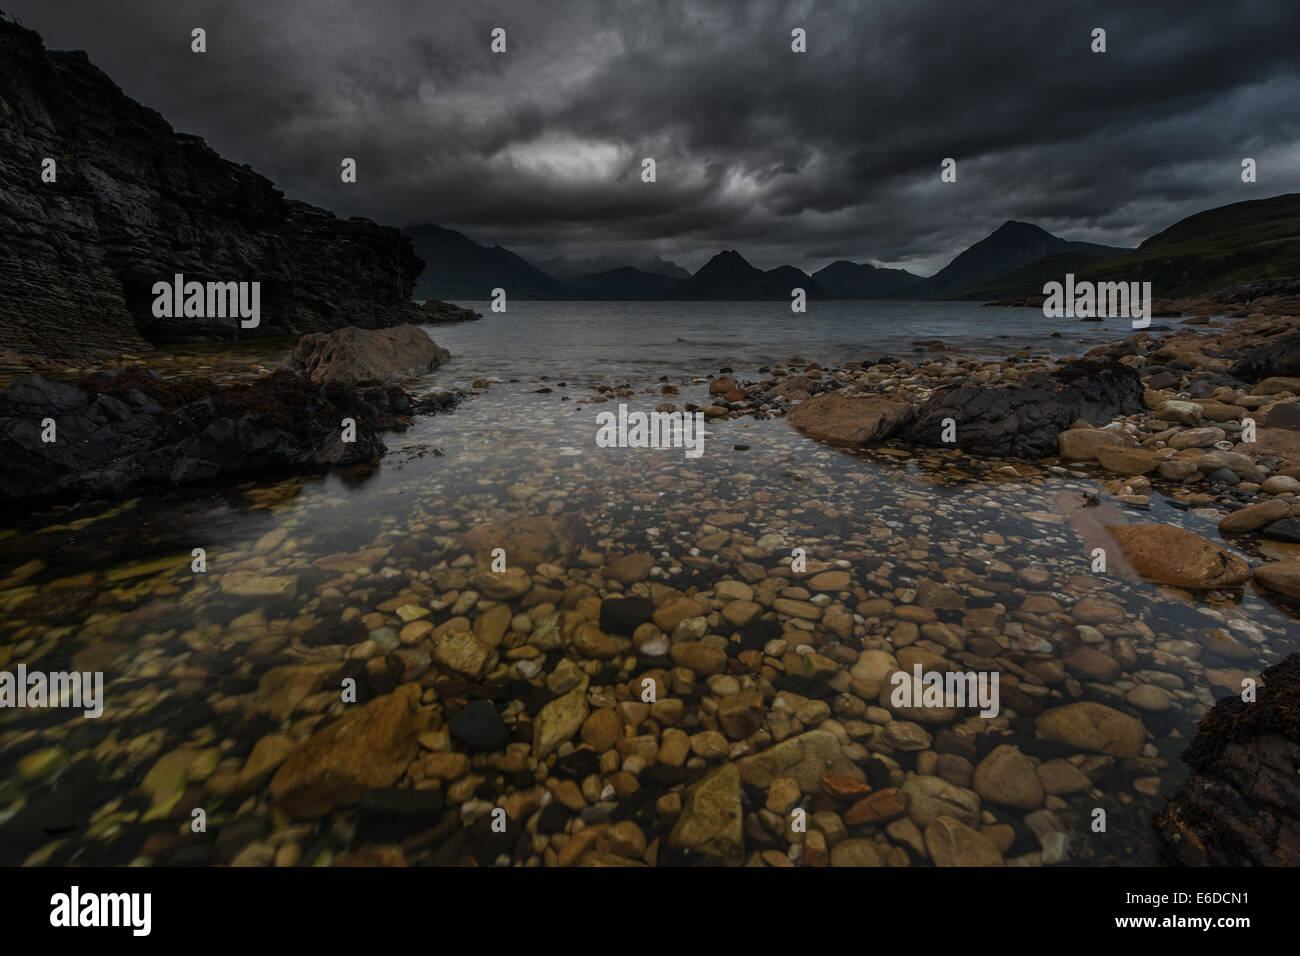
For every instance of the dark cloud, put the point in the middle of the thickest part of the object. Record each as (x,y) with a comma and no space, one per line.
(790,158)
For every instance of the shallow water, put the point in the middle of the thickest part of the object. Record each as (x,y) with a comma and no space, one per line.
(182,657)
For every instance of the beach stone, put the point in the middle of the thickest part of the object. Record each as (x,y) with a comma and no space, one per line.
(630,568)
(1288,529)
(1128,461)
(878,807)
(703,659)
(1149,697)
(850,420)
(602,729)
(282,688)
(591,641)
(1176,469)
(368,748)
(1094,727)
(1006,776)
(507,585)
(1280,485)
(1175,556)
(1253,517)
(1280,576)
(856,852)
(560,719)
(929,798)
(953,843)
(1081,444)
(266,756)
(491,626)
(711,822)
(783,795)
(905,735)
(830,581)
(805,757)
(739,614)
(478,725)
(459,651)
(1092,663)
(1285,415)
(1185,413)
(741,715)
(1197,438)
(671,613)
(1060,778)
(1093,610)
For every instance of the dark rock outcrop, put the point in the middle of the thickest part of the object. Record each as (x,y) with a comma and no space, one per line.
(1023,420)
(1278,357)
(1240,806)
(117,431)
(135,203)
(354,356)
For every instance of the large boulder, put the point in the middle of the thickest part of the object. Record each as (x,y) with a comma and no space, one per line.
(368,748)
(353,356)
(1170,555)
(1277,357)
(1025,419)
(851,420)
(117,431)
(1240,804)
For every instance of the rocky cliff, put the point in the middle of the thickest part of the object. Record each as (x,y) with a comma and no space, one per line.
(134,202)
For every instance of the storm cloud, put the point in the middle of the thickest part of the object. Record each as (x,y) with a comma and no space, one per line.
(788,157)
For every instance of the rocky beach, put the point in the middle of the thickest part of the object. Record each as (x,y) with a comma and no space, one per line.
(298,571)
(649,678)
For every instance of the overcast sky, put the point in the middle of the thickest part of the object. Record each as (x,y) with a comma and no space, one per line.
(789,158)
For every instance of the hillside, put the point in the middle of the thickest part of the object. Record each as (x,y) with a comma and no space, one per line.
(456,267)
(1010,247)
(1253,241)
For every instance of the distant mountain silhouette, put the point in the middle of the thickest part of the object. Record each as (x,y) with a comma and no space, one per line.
(847,280)
(568,270)
(456,267)
(1013,245)
(729,276)
(625,283)
(1253,241)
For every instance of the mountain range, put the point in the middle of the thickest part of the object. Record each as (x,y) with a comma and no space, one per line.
(1250,241)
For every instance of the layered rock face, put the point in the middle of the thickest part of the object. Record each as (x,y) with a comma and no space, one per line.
(135,202)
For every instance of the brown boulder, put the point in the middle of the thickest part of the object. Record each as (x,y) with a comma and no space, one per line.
(851,420)
(352,356)
(1169,555)
(367,748)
